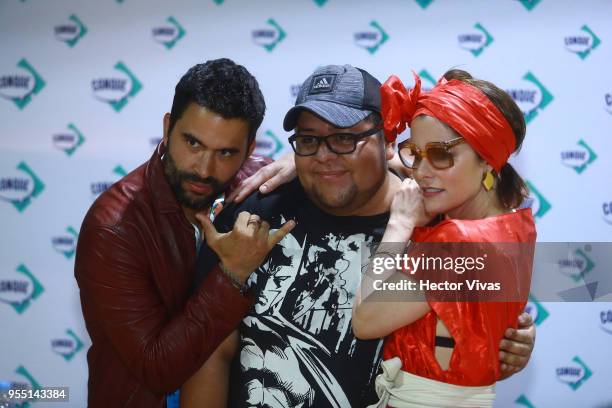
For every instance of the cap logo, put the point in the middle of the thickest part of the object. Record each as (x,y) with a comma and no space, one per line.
(322,84)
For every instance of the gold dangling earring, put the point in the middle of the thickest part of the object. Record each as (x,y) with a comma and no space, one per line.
(488,181)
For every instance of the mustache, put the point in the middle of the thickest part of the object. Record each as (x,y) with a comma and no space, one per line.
(213,182)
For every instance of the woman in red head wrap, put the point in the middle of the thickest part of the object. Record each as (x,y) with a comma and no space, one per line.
(443,350)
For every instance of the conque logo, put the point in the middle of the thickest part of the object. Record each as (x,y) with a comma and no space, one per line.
(20,187)
(118,88)
(606,320)
(21,85)
(530,4)
(66,244)
(320,3)
(99,187)
(72,32)
(574,374)
(576,266)
(69,141)
(475,41)
(540,204)
(169,35)
(371,39)
(582,43)
(579,158)
(531,96)
(23,380)
(67,347)
(424,3)
(522,400)
(268,144)
(19,288)
(269,37)
(427,80)
(536,310)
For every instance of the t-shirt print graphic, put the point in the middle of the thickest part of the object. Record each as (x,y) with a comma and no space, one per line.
(298,335)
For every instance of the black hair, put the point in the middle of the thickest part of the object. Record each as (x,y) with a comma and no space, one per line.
(223,87)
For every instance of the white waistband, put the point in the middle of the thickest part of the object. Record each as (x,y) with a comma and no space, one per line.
(397,388)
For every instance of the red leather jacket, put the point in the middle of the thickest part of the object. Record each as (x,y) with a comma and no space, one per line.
(134,265)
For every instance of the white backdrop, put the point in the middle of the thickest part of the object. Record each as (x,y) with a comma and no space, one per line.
(85,84)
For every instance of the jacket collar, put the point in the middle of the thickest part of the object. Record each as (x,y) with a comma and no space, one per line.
(163,196)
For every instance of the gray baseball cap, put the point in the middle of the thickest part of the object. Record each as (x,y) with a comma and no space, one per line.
(340,94)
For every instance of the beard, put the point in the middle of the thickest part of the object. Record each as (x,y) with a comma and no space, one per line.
(188,199)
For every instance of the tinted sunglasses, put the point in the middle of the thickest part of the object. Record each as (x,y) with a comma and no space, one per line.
(437,153)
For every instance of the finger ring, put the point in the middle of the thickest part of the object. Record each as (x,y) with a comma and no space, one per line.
(254,221)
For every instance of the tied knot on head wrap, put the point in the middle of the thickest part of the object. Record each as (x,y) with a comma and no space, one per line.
(463,107)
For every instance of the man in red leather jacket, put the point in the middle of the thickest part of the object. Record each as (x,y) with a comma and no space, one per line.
(137,246)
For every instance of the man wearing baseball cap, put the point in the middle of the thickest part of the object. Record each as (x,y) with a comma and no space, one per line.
(296,346)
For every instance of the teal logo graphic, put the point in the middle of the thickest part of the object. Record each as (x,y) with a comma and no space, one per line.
(524,401)
(268,144)
(537,311)
(269,37)
(66,244)
(427,80)
(608,102)
(583,43)
(320,3)
(540,205)
(21,86)
(530,4)
(117,90)
(607,212)
(72,32)
(169,35)
(67,347)
(69,141)
(424,3)
(21,187)
(371,40)
(475,41)
(606,320)
(577,265)
(531,96)
(24,381)
(99,187)
(19,288)
(218,2)
(574,374)
(578,159)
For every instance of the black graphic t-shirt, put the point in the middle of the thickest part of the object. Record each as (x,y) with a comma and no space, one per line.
(297,346)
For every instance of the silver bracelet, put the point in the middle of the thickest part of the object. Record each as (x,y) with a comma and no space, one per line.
(242,288)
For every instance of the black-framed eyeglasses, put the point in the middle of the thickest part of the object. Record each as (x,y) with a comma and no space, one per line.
(339,143)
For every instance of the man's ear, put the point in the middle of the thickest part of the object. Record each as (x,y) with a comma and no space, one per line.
(250,149)
(486,166)
(166,127)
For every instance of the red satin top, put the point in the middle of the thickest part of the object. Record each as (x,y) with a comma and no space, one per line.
(476,327)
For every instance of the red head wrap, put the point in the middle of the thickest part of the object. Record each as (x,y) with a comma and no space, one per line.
(461,106)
